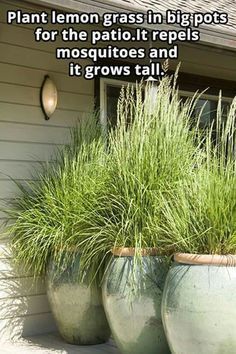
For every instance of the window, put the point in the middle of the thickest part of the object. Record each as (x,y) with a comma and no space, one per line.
(208,104)
(109,95)
(110,92)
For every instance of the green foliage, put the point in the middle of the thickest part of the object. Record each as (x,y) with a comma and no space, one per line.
(157,181)
(200,216)
(151,152)
(52,212)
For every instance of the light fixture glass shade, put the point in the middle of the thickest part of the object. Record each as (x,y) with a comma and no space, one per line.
(48,97)
(151,93)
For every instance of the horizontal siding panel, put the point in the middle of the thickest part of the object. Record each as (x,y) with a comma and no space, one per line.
(16,287)
(3,235)
(17,113)
(24,36)
(25,305)
(208,57)
(204,70)
(8,189)
(30,96)
(15,5)
(15,328)
(32,58)
(36,134)
(11,73)
(30,8)
(2,216)
(25,151)
(4,250)
(20,170)
(16,35)
(4,231)
(13,271)
(74,101)
(6,265)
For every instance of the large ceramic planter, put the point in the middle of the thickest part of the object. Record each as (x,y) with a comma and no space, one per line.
(199,305)
(132,302)
(76,306)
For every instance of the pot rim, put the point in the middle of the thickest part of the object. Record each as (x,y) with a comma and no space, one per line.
(132,251)
(206,259)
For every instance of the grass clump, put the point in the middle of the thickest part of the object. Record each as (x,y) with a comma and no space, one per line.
(151,152)
(54,210)
(200,216)
(157,181)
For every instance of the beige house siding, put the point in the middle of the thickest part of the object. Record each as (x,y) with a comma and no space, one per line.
(25,140)
(207,61)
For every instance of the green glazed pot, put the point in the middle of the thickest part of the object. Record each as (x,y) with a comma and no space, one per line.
(134,311)
(199,305)
(76,306)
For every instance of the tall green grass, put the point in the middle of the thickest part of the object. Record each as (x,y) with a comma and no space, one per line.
(157,180)
(54,210)
(152,152)
(200,216)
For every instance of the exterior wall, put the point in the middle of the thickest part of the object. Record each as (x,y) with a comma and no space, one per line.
(25,140)
(207,61)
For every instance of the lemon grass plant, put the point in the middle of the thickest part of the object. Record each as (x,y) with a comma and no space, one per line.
(152,151)
(53,210)
(156,181)
(200,216)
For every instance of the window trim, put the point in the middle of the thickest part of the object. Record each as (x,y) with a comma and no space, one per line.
(104,82)
(215,98)
(205,96)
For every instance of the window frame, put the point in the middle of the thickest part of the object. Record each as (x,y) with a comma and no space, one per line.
(104,82)
(205,96)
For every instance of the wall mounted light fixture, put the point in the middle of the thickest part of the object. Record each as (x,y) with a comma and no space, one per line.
(48,97)
(151,90)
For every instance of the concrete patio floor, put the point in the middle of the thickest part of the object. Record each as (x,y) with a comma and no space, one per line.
(52,343)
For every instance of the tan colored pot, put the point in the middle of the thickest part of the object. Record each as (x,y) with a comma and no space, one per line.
(132,251)
(205,259)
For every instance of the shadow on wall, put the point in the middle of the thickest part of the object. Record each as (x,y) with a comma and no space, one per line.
(24,308)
